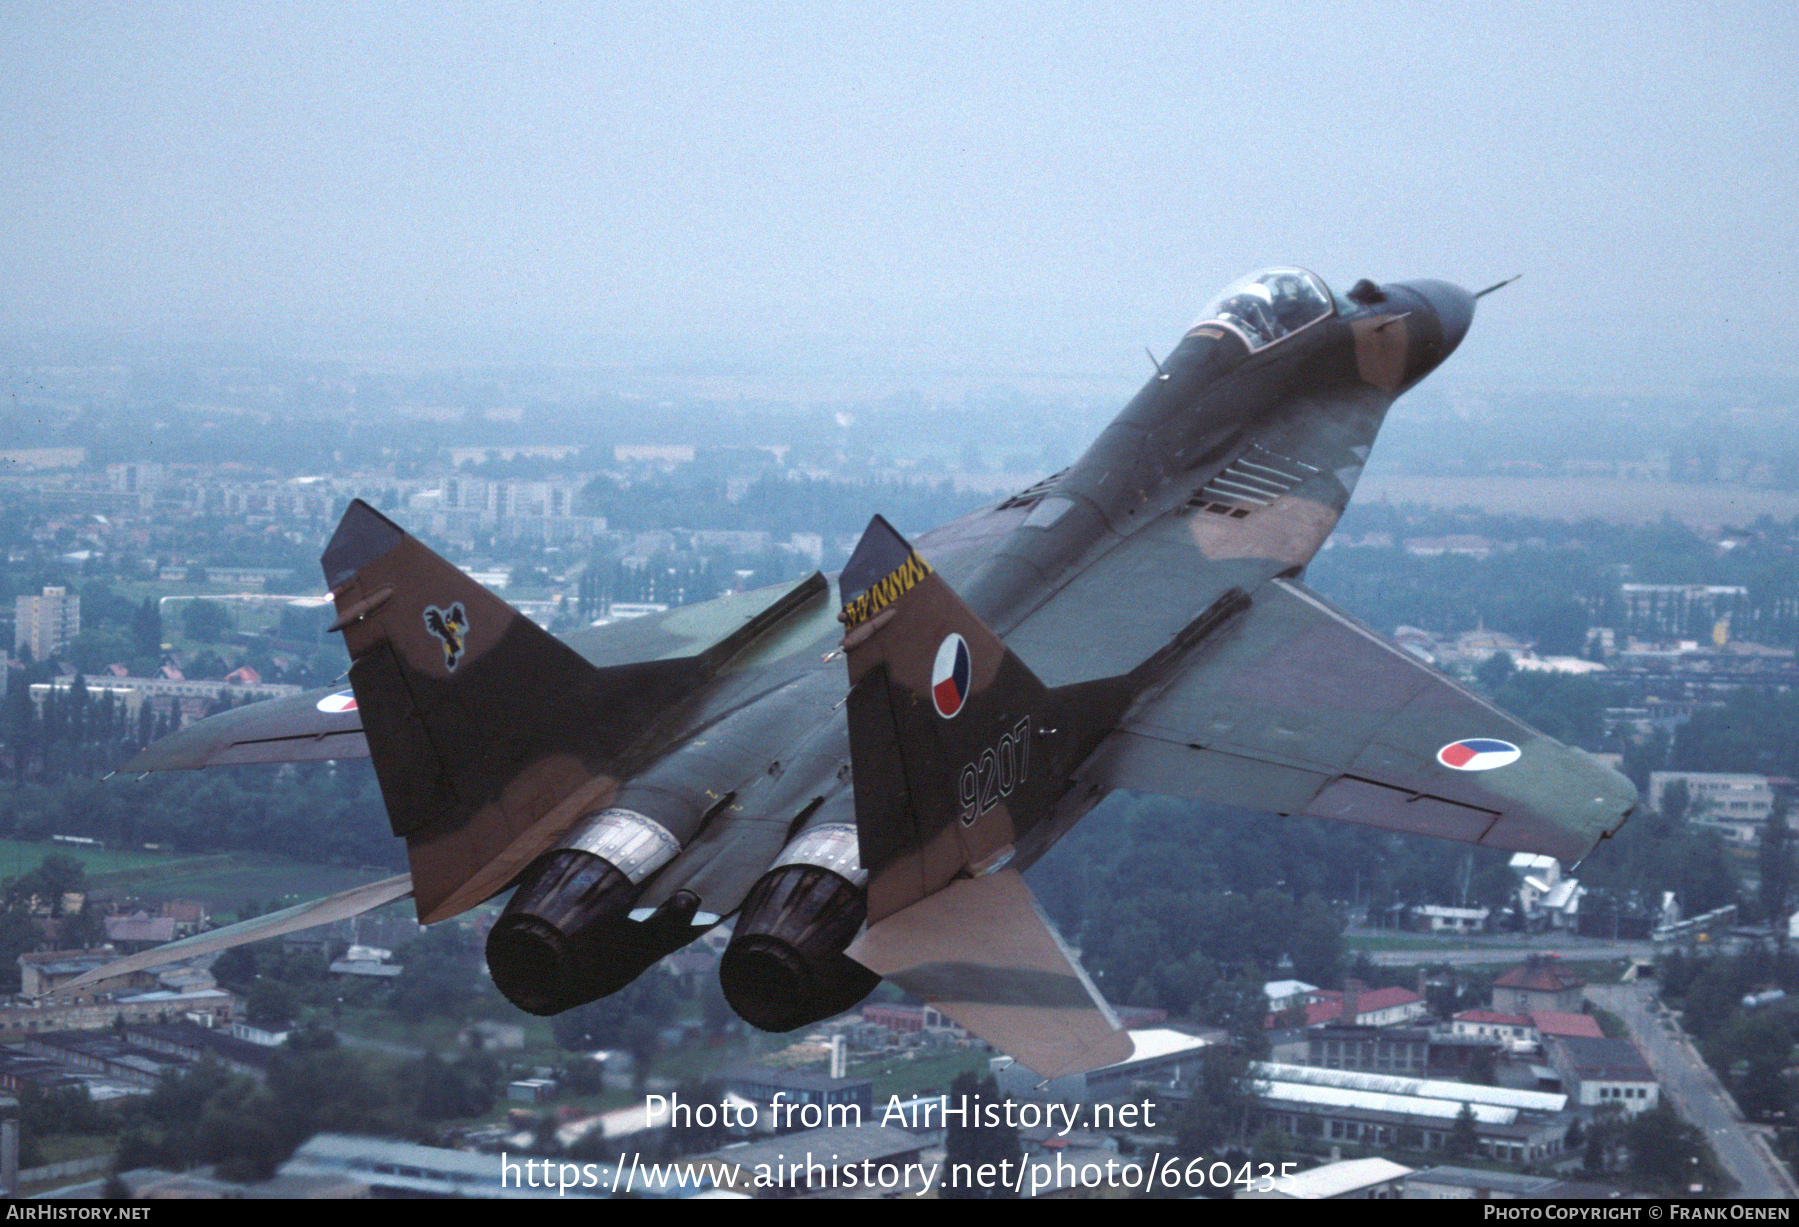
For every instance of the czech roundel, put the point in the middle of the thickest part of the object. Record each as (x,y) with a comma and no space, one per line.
(949,676)
(343,700)
(1478,754)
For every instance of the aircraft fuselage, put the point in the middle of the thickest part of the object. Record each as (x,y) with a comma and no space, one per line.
(1221,432)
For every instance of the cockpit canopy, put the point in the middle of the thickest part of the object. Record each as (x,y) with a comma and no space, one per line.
(1270,305)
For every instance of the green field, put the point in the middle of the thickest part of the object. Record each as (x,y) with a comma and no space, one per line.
(17,856)
(921,1072)
(224,880)
(1357,942)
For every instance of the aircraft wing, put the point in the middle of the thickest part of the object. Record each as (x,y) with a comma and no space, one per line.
(1294,706)
(311,727)
(352,902)
(326,724)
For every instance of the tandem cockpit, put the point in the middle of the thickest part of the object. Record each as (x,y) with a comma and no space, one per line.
(1268,306)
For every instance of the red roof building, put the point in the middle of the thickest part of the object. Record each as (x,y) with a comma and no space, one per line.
(1540,984)
(1376,1007)
(1515,1031)
(1551,1022)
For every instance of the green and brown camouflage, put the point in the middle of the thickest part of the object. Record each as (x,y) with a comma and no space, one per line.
(1135,621)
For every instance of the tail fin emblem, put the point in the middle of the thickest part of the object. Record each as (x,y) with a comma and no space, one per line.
(449,627)
(950,675)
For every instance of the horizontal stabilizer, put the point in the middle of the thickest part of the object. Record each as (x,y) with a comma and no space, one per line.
(353,902)
(312,727)
(982,952)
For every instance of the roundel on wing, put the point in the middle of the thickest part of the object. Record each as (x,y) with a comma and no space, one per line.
(1478,754)
(950,674)
(342,701)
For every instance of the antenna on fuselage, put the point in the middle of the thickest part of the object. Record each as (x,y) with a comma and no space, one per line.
(1499,285)
(1160,373)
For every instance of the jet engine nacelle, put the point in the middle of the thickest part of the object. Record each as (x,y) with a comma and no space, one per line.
(785,966)
(567,937)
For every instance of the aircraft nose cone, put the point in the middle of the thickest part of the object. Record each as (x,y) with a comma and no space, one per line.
(1454,307)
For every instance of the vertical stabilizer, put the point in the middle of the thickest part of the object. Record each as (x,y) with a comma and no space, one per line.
(489,736)
(957,748)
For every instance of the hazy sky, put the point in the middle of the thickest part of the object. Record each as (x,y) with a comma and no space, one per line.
(1000,190)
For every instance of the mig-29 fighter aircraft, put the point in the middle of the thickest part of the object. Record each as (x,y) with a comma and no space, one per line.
(857,768)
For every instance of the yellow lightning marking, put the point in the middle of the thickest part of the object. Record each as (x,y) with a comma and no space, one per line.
(885,591)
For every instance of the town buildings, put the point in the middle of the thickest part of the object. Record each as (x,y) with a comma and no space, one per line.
(44,624)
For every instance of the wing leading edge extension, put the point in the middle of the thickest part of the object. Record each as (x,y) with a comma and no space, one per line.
(1297,708)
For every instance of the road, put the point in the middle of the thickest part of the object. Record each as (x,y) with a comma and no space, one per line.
(1684,1076)
(1694,1090)
(1497,948)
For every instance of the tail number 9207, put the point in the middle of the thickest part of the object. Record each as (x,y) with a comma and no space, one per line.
(990,779)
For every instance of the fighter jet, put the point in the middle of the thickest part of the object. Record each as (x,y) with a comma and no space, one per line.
(857,768)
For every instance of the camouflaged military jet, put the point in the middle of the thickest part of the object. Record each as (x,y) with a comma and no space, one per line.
(856,769)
